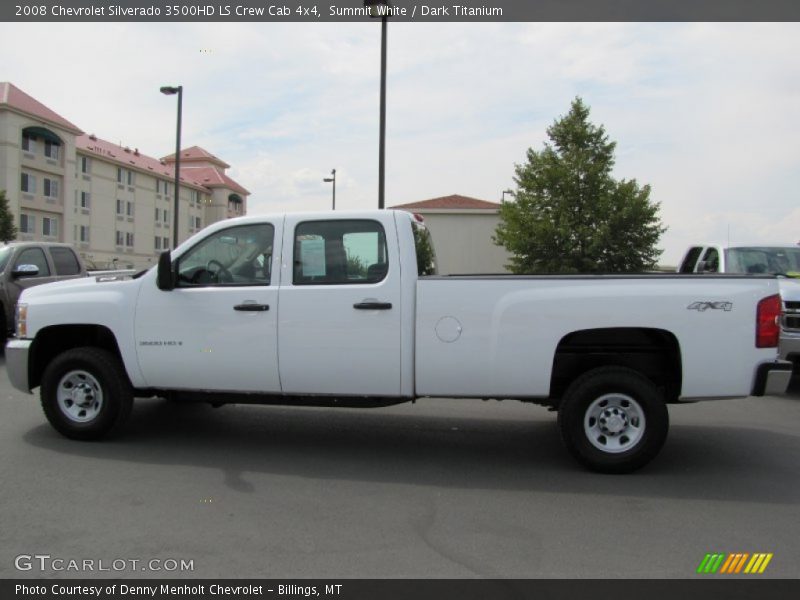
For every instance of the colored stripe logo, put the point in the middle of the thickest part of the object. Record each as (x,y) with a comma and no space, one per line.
(735,563)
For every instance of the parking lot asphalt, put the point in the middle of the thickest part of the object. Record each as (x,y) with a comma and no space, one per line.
(440,488)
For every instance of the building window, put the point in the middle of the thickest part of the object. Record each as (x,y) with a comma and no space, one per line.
(28,183)
(49,227)
(83,234)
(158,215)
(197,223)
(85,200)
(50,188)
(165,243)
(28,142)
(193,197)
(120,207)
(166,216)
(129,209)
(51,149)
(158,243)
(125,176)
(85,164)
(27,223)
(129,239)
(162,187)
(120,238)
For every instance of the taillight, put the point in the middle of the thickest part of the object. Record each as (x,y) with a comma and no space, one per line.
(768,317)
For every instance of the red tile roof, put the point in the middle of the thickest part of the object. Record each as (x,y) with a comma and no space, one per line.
(132,158)
(452,202)
(211,178)
(14,98)
(197,154)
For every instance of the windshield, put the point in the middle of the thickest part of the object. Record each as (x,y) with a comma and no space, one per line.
(773,260)
(5,254)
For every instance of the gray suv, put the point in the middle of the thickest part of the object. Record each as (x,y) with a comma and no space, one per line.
(26,264)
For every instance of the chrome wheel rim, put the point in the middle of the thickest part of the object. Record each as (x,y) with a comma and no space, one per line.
(614,423)
(79,396)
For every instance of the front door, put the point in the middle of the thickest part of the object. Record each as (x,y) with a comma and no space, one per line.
(217,330)
(339,315)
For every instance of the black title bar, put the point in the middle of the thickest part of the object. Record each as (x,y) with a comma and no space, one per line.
(464,11)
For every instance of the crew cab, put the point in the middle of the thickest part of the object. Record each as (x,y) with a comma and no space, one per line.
(780,260)
(344,310)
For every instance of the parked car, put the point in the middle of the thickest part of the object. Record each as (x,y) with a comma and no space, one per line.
(782,261)
(27,264)
(343,309)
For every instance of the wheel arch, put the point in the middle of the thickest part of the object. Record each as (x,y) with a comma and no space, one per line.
(52,341)
(653,352)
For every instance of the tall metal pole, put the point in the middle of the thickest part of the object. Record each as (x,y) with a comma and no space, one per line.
(177,170)
(382,143)
(334,188)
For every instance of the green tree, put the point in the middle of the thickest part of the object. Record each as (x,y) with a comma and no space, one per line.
(8,231)
(570,215)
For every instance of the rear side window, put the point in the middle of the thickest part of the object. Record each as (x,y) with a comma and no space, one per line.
(339,253)
(65,261)
(34,256)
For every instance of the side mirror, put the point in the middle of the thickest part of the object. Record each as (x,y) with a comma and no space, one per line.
(25,271)
(165,277)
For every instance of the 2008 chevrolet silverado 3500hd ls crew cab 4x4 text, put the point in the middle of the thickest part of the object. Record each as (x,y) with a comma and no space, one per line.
(339,309)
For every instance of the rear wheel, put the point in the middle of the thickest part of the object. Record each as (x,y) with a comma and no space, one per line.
(85,393)
(613,420)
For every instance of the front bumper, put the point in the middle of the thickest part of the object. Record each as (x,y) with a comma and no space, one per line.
(17,354)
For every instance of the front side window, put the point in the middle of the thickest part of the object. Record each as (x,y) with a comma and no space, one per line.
(711,258)
(339,253)
(33,256)
(232,257)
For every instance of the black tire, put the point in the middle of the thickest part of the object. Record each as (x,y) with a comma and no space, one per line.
(613,420)
(96,379)
(3,327)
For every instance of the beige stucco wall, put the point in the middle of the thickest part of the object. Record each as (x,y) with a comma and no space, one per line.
(463,241)
(101,183)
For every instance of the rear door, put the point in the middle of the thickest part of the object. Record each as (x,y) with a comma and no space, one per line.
(339,318)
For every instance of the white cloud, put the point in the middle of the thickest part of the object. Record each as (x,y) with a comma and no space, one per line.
(703,112)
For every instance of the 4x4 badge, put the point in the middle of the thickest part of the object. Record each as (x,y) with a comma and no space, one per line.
(702,306)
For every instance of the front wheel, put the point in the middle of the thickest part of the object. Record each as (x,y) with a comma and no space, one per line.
(613,419)
(85,393)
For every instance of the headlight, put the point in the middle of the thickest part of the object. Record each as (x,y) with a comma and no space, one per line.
(22,321)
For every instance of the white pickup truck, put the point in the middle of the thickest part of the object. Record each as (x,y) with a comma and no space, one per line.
(780,260)
(341,309)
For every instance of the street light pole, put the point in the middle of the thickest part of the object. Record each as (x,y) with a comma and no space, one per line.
(509,192)
(169,90)
(332,180)
(382,142)
(381,9)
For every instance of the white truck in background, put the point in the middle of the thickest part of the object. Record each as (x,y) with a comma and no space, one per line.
(782,261)
(345,309)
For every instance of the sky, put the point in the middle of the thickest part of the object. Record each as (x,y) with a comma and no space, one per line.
(705,113)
